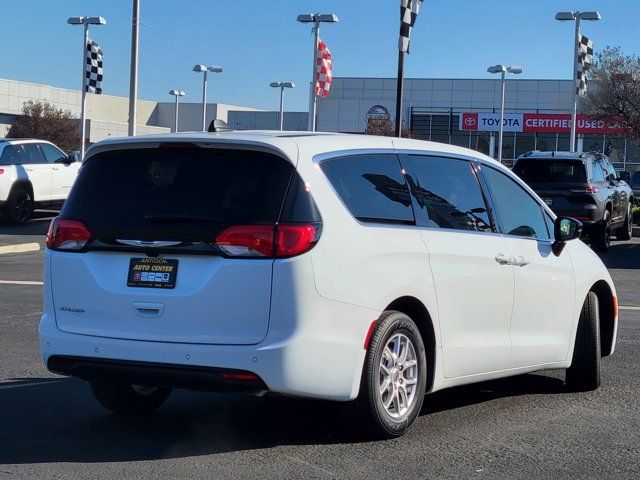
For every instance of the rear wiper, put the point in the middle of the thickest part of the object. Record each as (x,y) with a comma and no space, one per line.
(178,218)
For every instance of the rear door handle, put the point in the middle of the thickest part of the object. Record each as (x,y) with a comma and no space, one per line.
(520,262)
(502,259)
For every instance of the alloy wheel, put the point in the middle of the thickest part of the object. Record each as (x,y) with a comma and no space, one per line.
(22,207)
(398,378)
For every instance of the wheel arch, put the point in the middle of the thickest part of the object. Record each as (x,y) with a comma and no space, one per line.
(419,313)
(607,314)
(25,184)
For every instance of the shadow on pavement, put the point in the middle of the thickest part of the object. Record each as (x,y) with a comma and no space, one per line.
(59,421)
(38,225)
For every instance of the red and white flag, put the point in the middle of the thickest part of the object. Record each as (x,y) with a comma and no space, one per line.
(324,69)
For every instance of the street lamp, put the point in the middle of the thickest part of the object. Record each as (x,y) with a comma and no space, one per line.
(205,69)
(177,94)
(282,86)
(502,70)
(85,22)
(316,19)
(576,17)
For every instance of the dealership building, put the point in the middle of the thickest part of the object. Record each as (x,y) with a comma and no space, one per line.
(465,112)
(462,112)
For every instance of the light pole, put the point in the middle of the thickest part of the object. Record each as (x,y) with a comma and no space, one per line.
(133,77)
(85,22)
(502,70)
(316,19)
(205,69)
(282,86)
(576,17)
(177,94)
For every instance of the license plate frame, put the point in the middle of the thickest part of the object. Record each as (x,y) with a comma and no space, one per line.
(152,272)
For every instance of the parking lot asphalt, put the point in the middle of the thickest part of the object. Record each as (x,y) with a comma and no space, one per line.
(522,427)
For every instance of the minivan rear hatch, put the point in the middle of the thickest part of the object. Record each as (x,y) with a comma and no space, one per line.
(152,269)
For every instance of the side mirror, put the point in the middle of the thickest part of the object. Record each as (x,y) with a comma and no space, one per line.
(564,230)
(624,175)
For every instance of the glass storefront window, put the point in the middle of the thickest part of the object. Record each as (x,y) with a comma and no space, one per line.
(508,144)
(563,142)
(525,142)
(592,143)
(614,148)
(480,142)
(546,142)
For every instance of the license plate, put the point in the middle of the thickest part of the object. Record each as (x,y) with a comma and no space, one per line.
(152,272)
(548,201)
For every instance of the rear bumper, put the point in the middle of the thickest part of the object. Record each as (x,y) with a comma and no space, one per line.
(307,362)
(587,214)
(157,374)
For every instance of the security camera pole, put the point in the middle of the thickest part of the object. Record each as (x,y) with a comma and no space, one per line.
(205,69)
(316,19)
(85,22)
(282,86)
(576,16)
(502,70)
(177,94)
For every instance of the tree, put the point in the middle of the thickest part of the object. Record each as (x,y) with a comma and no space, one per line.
(614,90)
(43,121)
(383,125)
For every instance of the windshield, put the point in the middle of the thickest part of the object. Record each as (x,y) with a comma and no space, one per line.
(550,171)
(178,193)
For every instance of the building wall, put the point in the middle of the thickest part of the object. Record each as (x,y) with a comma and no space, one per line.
(190,114)
(345,108)
(243,120)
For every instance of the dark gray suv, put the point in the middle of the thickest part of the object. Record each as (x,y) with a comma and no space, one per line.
(584,186)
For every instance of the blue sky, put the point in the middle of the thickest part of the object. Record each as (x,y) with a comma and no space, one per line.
(259,41)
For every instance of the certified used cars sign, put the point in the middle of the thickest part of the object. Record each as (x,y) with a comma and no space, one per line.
(535,122)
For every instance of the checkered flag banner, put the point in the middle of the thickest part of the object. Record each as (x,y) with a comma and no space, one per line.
(408,13)
(93,68)
(585,59)
(324,69)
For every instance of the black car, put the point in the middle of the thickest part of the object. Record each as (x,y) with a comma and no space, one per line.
(584,186)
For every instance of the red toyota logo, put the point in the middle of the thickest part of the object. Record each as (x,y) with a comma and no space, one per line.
(470,121)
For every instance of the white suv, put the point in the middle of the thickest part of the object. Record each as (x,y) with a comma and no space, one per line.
(33,173)
(340,267)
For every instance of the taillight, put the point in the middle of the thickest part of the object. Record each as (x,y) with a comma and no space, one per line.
(267,240)
(68,235)
(247,241)
(588,189)
(1,171)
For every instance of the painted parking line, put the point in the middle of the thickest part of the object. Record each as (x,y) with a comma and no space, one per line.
(20,248)
(625,307)
(29,384)
(21,282)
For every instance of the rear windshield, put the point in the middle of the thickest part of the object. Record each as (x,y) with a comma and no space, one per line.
(187,194)
(635,179)
(550,171)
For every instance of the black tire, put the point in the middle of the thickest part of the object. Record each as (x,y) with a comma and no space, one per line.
(376,420)
(19,206)
(124,398)
(584,373)
(625,232)
(601,239)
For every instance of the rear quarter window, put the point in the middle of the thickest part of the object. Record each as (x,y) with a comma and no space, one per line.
(372,187)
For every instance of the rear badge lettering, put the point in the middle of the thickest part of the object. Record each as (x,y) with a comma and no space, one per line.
(72,309)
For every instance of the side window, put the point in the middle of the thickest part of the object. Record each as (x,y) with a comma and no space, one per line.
(610,171)
(447,190)
(517,211)
(34,154)
(372,187)
(597,174)
(12,155)
(52,154)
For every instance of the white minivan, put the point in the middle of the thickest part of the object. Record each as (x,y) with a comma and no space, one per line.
(339,267)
